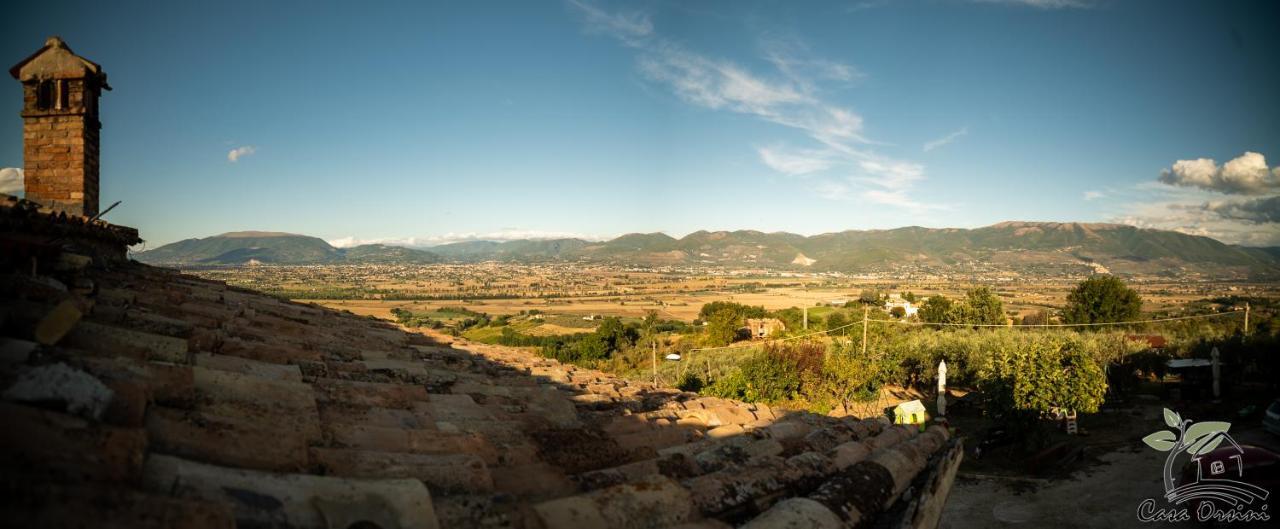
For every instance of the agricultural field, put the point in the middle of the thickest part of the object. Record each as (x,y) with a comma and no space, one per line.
(564,293)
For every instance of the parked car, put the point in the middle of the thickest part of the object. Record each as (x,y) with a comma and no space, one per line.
(1251,472)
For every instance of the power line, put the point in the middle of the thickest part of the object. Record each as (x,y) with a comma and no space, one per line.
(985,325)
(1099,324)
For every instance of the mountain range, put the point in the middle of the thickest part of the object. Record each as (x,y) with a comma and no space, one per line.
(267,247)
(1015,245)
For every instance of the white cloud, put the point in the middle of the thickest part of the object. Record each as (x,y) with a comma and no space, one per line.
(795,162)
(791,97)
(1254,211)
(506,234)
(11,182)
(931,145)
(1190,200)
(832,190)
(890,173)
(240,152)
(1094,195)
(898,198)
(1196,221)
(721,85)
(1247,221)
(630,28)
(1246,174)
(794,60)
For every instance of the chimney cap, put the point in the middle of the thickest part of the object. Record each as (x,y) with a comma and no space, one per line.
(55,60)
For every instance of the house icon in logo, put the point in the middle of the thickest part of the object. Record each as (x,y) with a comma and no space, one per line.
(1219,470)
(1217,467)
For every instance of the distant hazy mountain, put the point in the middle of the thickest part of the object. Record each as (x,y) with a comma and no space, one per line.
(1013,245)
(517,250)
(1017,246)
(246,247)
(383,254)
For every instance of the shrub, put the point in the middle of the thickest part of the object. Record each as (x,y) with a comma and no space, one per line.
(764,377)
(690,381)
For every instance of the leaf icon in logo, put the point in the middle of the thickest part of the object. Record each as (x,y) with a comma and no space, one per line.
(1162,440)
(1171,418)
(1202,438)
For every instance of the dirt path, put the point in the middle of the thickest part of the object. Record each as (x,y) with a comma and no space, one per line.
(1104,495)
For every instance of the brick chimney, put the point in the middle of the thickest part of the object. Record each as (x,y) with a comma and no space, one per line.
(60,127)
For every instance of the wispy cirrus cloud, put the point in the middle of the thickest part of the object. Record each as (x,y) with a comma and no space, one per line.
(240,152)
(630,27)
(842,162)
(1094,194)
(795,162)
(945,140)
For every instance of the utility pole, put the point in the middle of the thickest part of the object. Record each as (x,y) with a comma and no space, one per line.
(865,312)
(806,317)
(1246,318)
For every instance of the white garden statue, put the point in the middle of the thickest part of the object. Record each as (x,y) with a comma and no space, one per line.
(942,388)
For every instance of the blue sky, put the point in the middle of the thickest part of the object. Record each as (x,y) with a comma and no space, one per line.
(414,123)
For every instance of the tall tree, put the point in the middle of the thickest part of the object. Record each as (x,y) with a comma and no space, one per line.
(937,309)
(722,327)
(1102,299)
(985,307)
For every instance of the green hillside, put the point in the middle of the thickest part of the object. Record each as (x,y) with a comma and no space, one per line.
(1018,246)
(237,248)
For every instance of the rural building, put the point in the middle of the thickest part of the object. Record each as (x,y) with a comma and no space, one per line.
(60,127)
(1154,341)
(895,300)
(760,328)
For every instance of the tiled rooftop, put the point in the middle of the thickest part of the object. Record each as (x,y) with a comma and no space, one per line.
(140,397)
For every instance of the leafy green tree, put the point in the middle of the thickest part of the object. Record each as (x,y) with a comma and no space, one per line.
(792,318)
(984,307)
(980,306)
(740,311)
(764,377)
(869,297)
(909,296)
(1102,299)
(721,328)
(1039,373)
(615,335)
(937,309)
(845,378)
(898,312)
